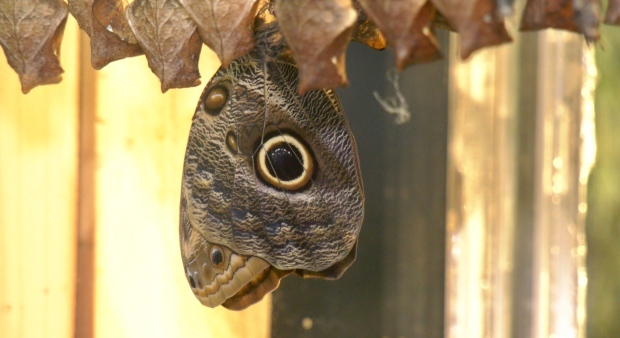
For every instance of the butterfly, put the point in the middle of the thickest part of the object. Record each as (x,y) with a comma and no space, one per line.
(271,181)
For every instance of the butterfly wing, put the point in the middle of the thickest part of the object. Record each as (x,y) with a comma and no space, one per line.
(270,178)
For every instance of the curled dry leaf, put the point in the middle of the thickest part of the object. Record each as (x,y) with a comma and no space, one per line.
(366,31)
(112,37)
(169,38)
(440,21)
(581,16)
(549,14)
(407,27)
(110,14)
(82,12)
(612,16)
(369,34)
(104,21)
(317,31)
(30,35)
(476,21)
(226,26)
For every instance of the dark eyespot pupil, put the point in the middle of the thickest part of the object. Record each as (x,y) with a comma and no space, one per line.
(285,162)
(216,257)
(215,100)
(192,282)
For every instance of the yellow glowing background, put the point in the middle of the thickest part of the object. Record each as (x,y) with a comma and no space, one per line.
(126,168)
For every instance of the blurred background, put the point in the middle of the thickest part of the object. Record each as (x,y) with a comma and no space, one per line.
(493,212)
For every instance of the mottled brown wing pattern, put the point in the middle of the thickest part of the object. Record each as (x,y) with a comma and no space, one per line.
(271,184)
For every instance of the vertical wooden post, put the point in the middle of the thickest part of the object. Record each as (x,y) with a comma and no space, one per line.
(85,282)
(565,148)
(481,193)
(496,179)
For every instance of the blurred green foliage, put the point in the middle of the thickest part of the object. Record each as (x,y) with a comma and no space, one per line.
(603,221)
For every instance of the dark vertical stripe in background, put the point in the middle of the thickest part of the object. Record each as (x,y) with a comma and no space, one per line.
(395,289)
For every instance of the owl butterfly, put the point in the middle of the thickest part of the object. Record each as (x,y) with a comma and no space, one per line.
(271,181)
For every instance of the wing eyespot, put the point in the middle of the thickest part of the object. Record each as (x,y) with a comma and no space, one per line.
(215,99)
(231,142)
(216,256)
(285,162)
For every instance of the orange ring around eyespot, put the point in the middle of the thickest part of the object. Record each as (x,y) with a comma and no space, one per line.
(307,163)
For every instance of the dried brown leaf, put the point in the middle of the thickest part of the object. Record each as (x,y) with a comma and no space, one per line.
(440,21)
(407,27)
(105,22)
(366,31)
(612,16)
(30,34)
(170,40)
(549,14)
(112,38)
(110,14)
(581,16)
(476,21)
(369,34)
(82,12)
(317,31)
(224,25)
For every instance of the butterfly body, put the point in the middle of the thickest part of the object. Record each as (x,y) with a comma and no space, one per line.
(268,175)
